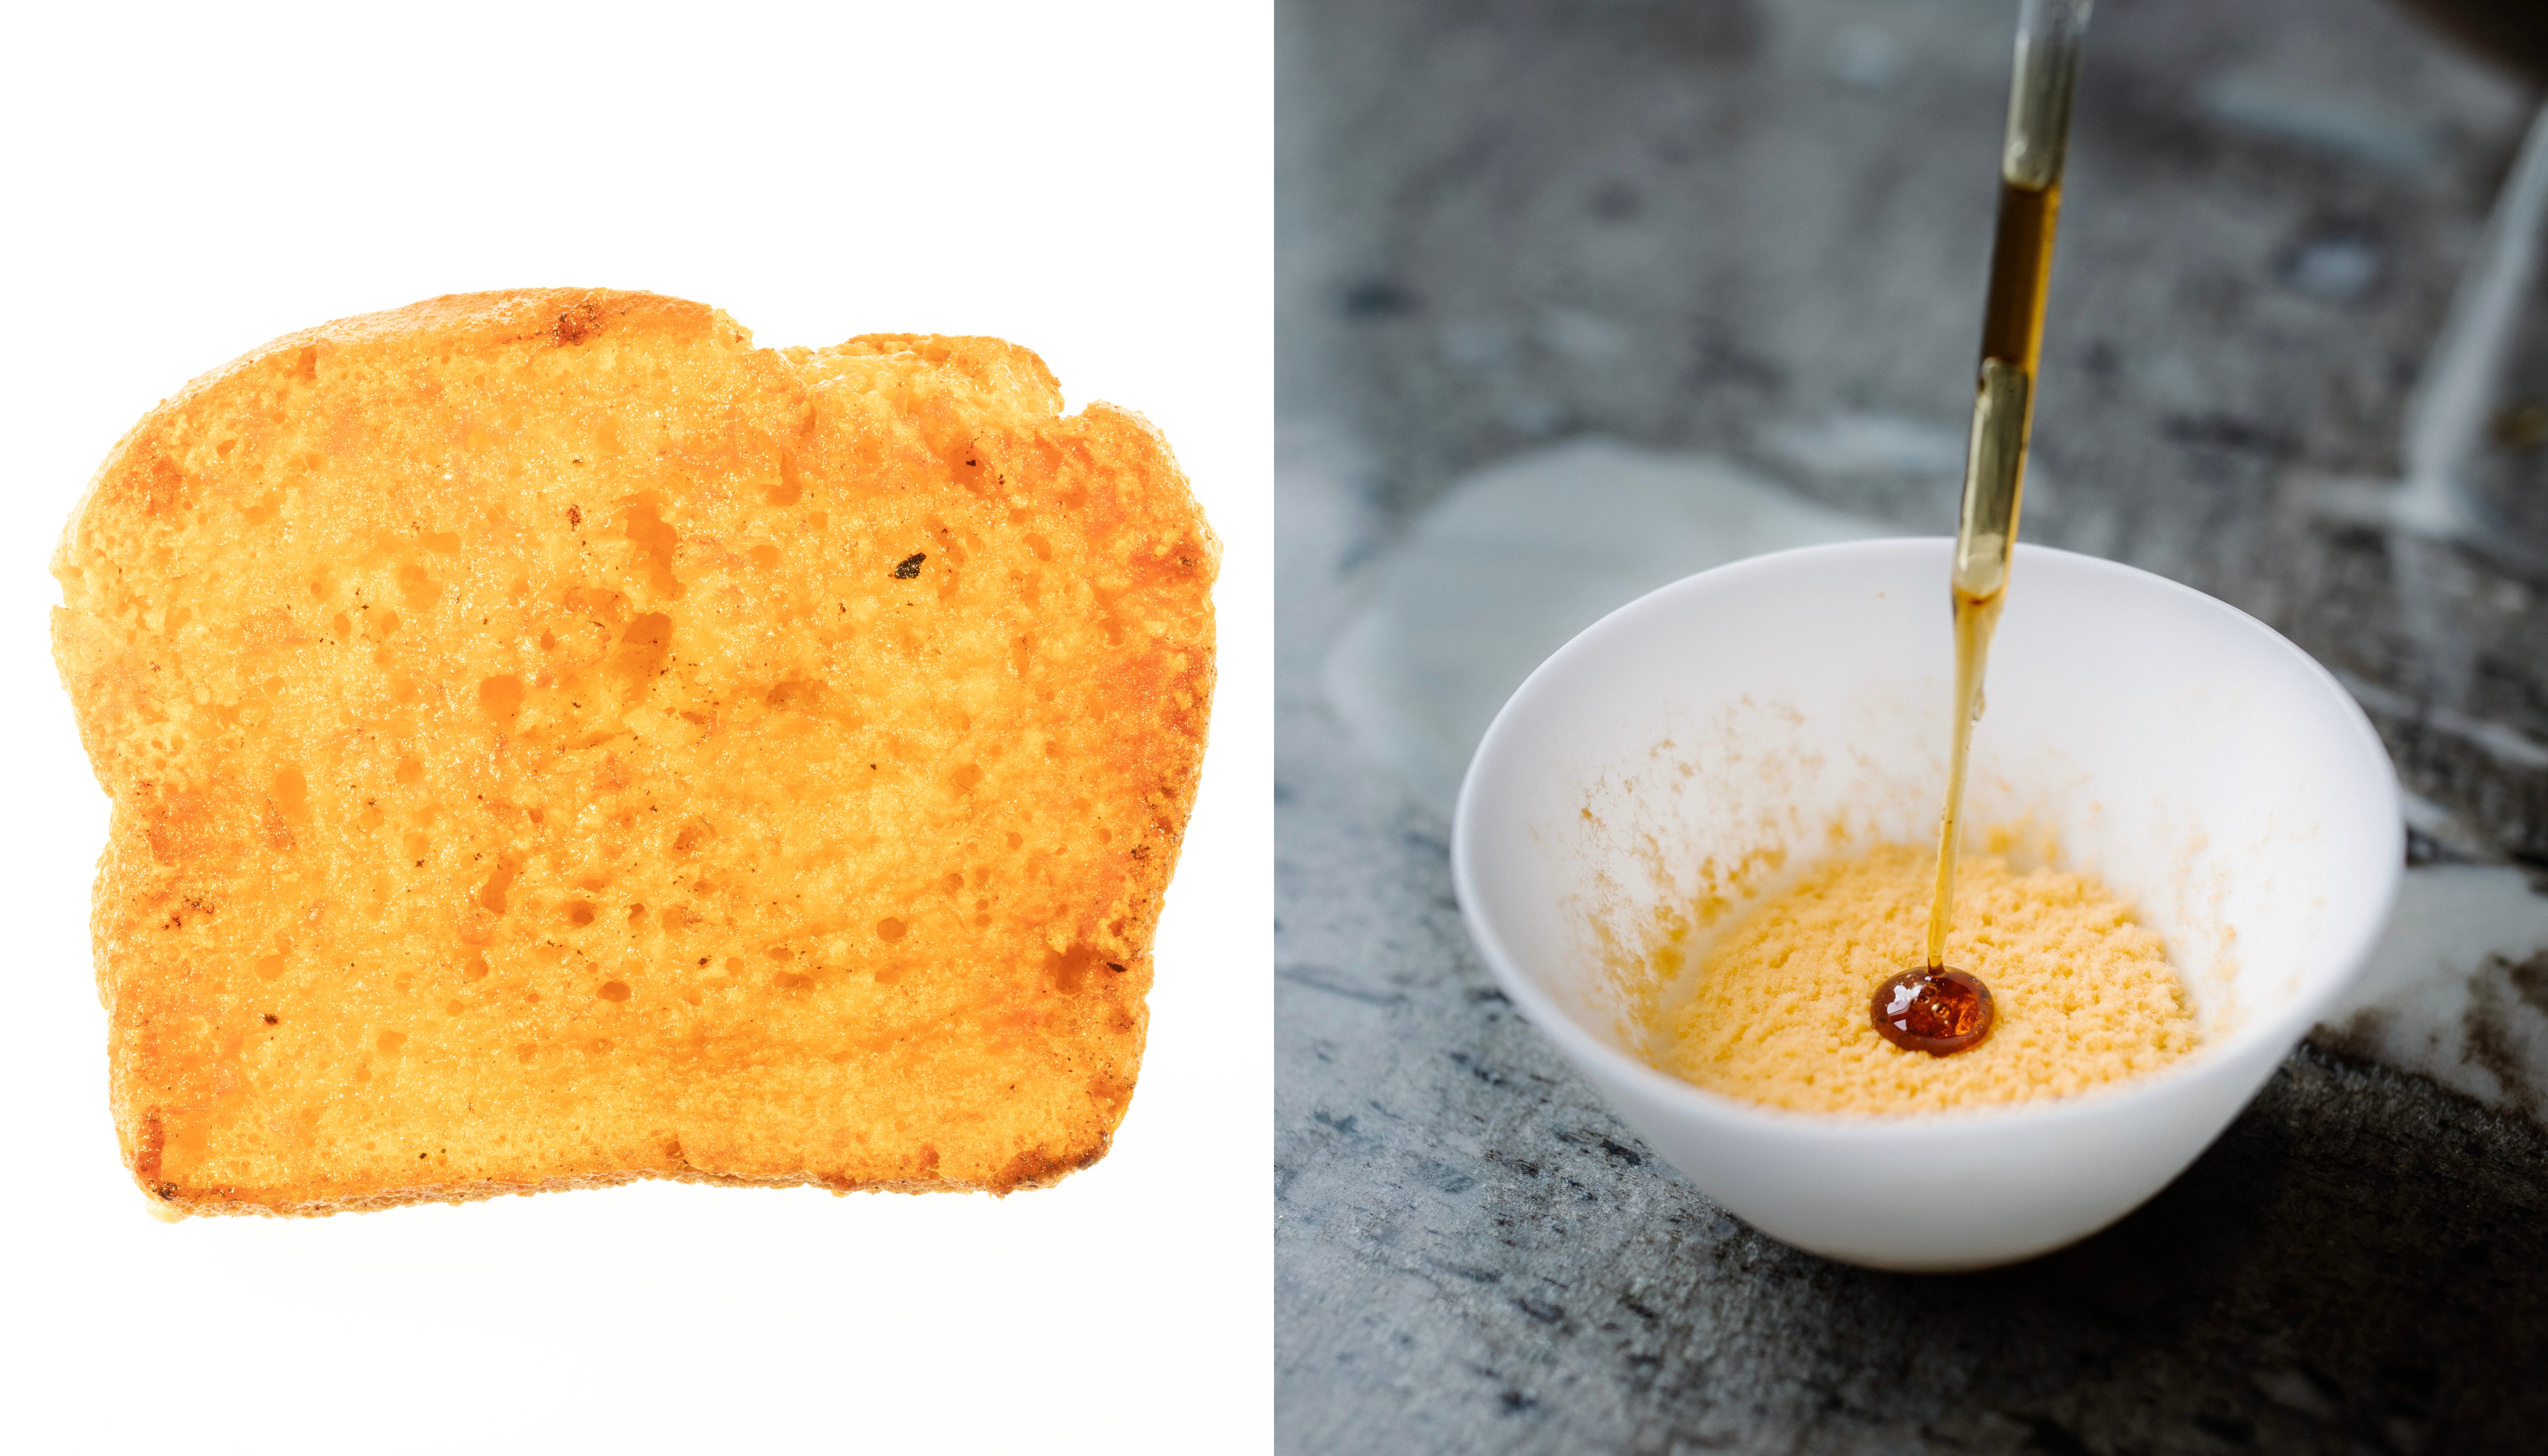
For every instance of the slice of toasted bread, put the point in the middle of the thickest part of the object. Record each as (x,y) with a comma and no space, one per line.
(554,743)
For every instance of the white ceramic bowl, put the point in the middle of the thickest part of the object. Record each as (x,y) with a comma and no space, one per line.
(2202,766)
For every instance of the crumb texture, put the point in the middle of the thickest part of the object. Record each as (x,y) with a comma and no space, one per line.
(1775,1011)
(553,742)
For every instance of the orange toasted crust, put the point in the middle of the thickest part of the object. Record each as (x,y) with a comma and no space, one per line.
(553,743)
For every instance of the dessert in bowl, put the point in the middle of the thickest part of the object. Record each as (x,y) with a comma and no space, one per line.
(1706,746)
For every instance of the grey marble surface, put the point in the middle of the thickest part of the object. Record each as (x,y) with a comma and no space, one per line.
(1753,234)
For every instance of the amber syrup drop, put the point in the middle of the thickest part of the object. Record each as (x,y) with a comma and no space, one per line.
(1939,1012)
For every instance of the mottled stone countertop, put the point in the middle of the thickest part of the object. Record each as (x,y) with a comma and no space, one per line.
(1734,249)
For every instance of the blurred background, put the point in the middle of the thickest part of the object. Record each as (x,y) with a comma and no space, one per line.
(1576,297)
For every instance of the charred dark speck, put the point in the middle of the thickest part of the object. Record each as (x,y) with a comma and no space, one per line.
(577,324)
(1111,965)
(272,1020)
(910,565)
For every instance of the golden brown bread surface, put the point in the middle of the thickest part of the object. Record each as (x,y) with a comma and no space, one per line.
(554,743)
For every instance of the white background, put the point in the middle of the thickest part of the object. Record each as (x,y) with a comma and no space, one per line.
(1094,181)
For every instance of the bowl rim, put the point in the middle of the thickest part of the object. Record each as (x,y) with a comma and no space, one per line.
(2282,1030)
